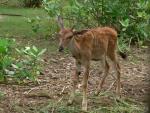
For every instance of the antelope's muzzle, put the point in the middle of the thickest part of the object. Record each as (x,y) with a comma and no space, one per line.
(61,49)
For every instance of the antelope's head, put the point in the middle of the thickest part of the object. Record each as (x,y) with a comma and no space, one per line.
(65,34)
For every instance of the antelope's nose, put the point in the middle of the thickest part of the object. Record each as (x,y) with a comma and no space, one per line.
(61,49)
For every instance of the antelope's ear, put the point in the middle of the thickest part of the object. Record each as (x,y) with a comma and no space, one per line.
(80,32)
(60,22)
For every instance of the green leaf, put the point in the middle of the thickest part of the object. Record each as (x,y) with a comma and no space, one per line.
(14,66)
(29,20)
(124,29)
(4,44)
(42,52)
(8,72)
(27,48)
(124,23)
(35,49)
(140,14)
(85,1)
(19,51)
(38,18)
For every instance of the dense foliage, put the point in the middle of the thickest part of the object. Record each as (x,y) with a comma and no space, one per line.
(129,17)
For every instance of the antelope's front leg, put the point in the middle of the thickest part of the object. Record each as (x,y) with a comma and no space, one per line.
(84,86)
(75,80)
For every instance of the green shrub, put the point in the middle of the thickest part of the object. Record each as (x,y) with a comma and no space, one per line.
(29,65)
(24,64)
(5,56)
(130,17)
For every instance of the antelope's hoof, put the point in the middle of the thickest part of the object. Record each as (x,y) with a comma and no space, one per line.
(84,106)
(84,109)
(118,96)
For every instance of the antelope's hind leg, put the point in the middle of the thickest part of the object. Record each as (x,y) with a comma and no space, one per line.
(113,57)
(105,74)
(118,87)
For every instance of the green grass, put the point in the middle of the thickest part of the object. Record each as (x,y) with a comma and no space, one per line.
(18,25)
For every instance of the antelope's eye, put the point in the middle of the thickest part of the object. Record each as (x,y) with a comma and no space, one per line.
(69,37)
(58,35)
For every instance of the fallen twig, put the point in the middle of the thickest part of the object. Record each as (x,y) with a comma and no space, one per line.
(27,92)
(110,87)
(65,87)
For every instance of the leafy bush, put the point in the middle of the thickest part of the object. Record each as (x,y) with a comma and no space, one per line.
(130,17)
(25,64)
(29,65)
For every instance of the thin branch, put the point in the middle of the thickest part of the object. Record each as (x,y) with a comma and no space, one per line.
(60,22)
(110,87)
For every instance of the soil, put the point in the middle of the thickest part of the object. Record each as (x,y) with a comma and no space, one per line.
(54,83)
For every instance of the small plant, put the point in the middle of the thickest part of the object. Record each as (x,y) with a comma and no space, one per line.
(25,64)
(29,65)
(35,23)
(5,57)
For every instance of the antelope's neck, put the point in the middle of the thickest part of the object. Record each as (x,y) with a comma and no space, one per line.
(74,48)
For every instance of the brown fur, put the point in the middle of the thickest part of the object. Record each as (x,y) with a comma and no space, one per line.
(86,45)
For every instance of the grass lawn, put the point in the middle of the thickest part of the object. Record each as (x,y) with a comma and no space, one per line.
(18,25)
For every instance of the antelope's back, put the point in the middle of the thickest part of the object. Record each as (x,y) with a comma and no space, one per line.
(104,40)
(96,42)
